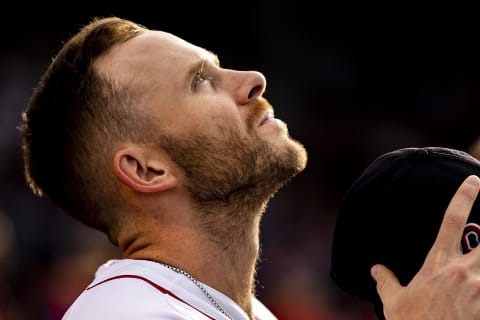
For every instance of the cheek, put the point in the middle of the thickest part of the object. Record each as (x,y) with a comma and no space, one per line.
(204,114)
(220,115)
(225,125)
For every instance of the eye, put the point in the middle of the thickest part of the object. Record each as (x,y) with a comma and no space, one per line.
(198,79)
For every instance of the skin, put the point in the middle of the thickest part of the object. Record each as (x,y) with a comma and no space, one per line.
(447,286)
(164,223)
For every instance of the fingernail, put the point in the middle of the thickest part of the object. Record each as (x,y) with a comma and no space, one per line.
(473,180)
(374,272)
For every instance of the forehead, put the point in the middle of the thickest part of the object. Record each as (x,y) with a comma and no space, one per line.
(152,53)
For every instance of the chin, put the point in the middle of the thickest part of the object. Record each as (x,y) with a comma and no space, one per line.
(294,150)
(293,155)
(301,156)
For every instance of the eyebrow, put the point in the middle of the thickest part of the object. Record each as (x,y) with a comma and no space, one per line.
(199,65)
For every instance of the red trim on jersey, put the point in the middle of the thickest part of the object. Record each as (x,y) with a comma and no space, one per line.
(153,284)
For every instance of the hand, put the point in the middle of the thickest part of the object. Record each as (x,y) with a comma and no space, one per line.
(448,284)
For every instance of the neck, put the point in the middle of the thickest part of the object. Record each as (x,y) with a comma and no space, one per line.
(217,248)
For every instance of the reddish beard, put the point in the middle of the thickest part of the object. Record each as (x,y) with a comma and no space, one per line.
(257,112)
(232,169)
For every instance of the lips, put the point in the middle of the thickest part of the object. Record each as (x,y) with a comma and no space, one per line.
(267,117)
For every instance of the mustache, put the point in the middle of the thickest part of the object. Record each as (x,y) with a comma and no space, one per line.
(258,109)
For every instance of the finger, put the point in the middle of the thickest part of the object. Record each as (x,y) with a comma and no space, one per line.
(387,282)
(456,215)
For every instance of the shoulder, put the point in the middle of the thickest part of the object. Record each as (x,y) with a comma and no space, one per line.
(127,290)
(261,312)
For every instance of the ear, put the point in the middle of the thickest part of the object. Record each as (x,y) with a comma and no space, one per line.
(142,170)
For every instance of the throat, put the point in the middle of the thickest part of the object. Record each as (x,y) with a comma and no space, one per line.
(234,240)
(233,227)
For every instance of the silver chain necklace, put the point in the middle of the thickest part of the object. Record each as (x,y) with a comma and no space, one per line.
(200,286)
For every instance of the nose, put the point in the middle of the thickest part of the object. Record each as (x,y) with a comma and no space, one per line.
(251,86)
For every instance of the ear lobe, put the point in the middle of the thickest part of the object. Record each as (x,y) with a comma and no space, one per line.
(140,173)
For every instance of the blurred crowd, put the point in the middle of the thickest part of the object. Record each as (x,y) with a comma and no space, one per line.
(349,94)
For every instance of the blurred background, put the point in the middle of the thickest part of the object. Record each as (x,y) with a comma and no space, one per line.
(351,82)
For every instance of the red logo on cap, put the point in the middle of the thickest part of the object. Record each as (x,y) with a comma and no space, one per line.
(471,237)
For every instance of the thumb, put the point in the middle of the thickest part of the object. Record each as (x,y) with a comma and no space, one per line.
(387,282)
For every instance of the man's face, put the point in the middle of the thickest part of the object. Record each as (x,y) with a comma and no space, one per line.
(214,121)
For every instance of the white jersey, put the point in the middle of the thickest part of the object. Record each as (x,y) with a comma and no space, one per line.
(127,289)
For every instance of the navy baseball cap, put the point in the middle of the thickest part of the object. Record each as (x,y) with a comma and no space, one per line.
(392,214)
